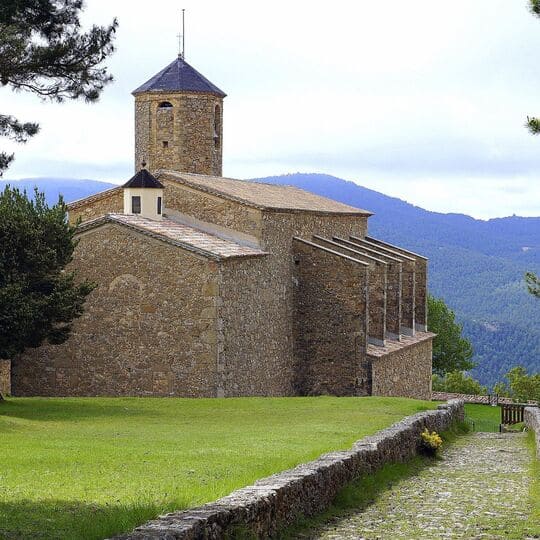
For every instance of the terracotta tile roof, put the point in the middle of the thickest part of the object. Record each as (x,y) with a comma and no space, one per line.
(179,235)
(260,195)
(393,345)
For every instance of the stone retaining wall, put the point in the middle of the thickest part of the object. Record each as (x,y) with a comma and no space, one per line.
(532,421)
(274,502)
(474,398)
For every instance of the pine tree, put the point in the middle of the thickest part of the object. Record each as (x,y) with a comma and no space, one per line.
(38,298)
(44,51)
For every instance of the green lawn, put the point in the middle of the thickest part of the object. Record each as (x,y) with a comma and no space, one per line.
(485,417)
(83,468)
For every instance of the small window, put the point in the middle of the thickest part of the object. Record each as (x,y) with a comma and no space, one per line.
(165,105)
(159,205)
(217,126)
(135,205)
(165,144)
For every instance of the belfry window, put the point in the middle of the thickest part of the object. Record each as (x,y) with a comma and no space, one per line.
(165,105)
(136,205)
(217,126)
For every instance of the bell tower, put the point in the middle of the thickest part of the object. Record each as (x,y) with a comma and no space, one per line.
(179,121)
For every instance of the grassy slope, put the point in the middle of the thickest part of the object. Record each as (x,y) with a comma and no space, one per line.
(86,468)
(485,418)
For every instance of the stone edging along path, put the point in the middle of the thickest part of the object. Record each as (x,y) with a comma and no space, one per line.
(278,500)
(531,416)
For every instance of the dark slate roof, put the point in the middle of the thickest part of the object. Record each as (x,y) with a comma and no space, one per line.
(143,179)
(179,76)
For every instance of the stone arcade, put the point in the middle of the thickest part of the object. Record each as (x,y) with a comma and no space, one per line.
(209,286)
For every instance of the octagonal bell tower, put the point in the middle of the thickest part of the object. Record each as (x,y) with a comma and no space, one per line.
(179,121)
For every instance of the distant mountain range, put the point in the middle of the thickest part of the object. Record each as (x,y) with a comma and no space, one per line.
(476,266)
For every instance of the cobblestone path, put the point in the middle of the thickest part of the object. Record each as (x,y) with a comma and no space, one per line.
(477,491)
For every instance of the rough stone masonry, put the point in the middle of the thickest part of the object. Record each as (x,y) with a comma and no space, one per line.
(229,287)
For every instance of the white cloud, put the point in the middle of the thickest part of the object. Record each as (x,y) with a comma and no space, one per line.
(422,100)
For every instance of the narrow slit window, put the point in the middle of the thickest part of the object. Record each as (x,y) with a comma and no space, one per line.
(217,126)
(136,205)
(165,144)
(159,205)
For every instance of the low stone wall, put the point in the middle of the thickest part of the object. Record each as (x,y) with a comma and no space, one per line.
(5,377)
(474,398)
(531,416)
(277,501)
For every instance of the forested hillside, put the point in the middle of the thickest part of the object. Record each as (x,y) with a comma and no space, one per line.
(476,266)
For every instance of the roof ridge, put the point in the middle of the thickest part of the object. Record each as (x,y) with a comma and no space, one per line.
(185,178)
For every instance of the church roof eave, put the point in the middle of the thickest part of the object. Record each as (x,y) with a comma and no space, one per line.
(176,234)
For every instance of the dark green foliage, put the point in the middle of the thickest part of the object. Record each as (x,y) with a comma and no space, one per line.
(535,7)
(43,51)
(459,382)
(533,284)
(520,386)
(38,298)
(451,351)
(533,125)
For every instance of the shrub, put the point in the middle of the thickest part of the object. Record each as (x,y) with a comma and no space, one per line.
(431,442)
(458,382)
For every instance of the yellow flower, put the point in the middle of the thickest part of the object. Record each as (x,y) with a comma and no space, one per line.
(431,440)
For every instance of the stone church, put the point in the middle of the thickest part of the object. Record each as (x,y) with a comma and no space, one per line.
(209,286)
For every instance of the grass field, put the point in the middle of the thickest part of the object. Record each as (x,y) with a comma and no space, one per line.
(485,417)
(85,468)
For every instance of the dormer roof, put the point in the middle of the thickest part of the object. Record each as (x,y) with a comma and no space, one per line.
(144,179)
(179,76)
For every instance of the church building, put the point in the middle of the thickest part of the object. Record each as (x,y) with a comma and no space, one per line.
(214,287)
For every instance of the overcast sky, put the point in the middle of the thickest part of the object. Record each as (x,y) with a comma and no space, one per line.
(421,100)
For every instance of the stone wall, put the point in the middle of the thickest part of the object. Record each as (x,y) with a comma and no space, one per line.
(330,326)
(210,208)
(404,372)
(474,398)
(149,328)
(408,283)
(5,377)
(377,287)
(256,355)
(181,137)
(532,421)
(394,274)
(279,500)
(107,202)
(254,351)
(421,280)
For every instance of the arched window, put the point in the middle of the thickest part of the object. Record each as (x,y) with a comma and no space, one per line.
(165,105)
(217,126)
